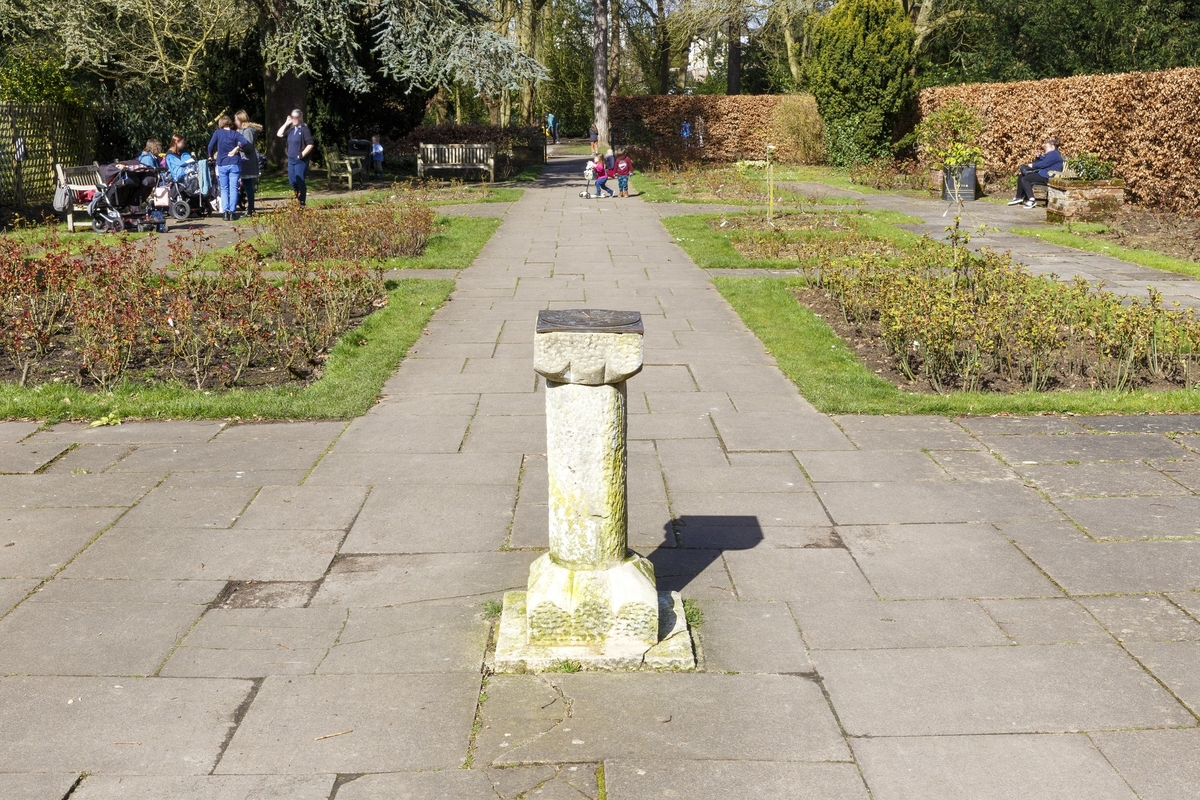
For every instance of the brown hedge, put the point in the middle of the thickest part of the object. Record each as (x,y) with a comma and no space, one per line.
(1146,123)
(735,126)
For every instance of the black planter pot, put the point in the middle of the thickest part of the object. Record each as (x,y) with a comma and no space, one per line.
(959,183)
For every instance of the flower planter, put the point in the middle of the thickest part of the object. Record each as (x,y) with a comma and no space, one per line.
(1072,200)
(959,183)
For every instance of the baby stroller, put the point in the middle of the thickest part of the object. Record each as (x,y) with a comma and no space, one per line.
(123,202)
(190,195)
(589,177)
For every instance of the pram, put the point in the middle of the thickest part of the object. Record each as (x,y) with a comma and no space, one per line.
(123,202)
(190,195)
(589,177)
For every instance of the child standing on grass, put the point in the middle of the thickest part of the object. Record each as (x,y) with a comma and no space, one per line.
(377,156)
(624,168)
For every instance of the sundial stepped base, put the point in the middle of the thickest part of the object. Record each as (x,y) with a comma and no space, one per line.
(590,599)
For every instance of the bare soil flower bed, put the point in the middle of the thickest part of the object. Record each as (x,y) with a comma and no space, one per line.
(1165,232)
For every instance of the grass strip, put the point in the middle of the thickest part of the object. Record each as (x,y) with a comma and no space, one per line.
(355,372)
(1078,239)
(832,378)
(713,248)
(454,244)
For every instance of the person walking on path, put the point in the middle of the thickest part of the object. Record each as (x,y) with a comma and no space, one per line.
(624,168)
(250,131)
(1037,172)
(227,146)
(594,138)
(299,148)
(552,126)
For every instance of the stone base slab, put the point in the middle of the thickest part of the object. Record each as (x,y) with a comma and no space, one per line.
(673,651)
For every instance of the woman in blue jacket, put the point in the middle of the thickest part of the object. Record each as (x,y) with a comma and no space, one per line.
(227,146)
(1037,173)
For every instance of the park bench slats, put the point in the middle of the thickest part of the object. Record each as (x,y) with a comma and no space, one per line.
(77,179)
(339,166)
(457,156)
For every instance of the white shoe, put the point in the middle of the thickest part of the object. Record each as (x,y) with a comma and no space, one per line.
(1031,204)
(1015,202)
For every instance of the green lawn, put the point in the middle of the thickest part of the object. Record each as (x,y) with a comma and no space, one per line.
(655,190)
(455,243)
(713,249)
(832,378)
(357,367)
(1076,235)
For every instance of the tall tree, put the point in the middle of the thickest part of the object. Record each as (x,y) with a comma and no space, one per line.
(600,68)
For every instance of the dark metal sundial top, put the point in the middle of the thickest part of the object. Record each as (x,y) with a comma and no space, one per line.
(589,320)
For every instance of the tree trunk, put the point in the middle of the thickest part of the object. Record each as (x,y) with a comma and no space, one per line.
(663,44)
(733,83)
(600,68)
(614,53)
(789,42)
(281,94)
(528,39)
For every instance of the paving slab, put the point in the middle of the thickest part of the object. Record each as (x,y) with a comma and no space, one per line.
(37,542)
(193,507)
(377,581)
(1118,567)
(829,624)
(861,465)
(73,491)
(1042,449)
(1159,765)
(36,785)
(1049,621)
(455,784)
(86,459)
(974,690)
(256,642)
(751,637)
(1143,619)
(12,432)
(433,519)
(298,431)
(1173,663)
(805,574)
(126,726)
(12,591)
(1032,767)
(207,554)
(911,562)
(1124,518)
(664,716)
(30,456)
(414,639)
(206,787)
(652,779)
(1101,480)
(303,508)
(138,433)
(881,503)
(354,723)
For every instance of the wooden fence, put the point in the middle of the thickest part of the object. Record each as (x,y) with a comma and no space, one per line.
(33,138)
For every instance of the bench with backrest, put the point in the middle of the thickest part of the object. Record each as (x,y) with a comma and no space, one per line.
(1041,191)
(79,180)
(457,156)
(339,166)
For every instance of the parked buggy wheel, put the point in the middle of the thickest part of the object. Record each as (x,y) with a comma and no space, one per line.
(180,209)
(99,225)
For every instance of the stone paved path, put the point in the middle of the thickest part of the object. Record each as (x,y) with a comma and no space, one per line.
(894,607)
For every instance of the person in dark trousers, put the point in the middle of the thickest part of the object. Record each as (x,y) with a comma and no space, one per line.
(594,138)
(299,148)
(552,126)
(250,131)
(227,146)
(1037,172)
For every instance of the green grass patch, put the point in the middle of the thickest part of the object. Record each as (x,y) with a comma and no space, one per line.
(530,172)
(492,609)
(832,378)
(454,244)
(1076,236)
(355,372)
(711,248)
(692,613)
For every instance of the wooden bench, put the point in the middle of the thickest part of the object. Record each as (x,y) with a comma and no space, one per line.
(338,166)
(78,179)
(457,156)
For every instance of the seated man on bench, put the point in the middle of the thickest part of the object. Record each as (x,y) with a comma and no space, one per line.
(1037,173)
